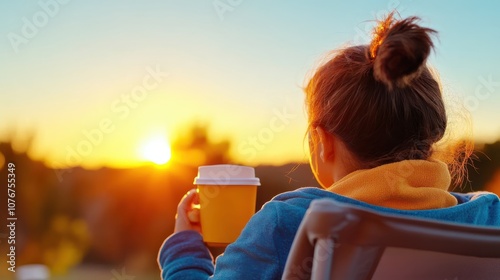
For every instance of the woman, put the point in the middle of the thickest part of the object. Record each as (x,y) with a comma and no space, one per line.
(375,113)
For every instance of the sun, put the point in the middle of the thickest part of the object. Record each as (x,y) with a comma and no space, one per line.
(156,150)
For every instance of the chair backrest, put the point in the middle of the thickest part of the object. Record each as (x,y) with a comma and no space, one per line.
(342,241)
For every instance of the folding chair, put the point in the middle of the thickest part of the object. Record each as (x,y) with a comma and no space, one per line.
(342,241)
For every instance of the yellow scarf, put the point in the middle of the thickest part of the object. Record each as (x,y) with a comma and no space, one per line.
(408,184)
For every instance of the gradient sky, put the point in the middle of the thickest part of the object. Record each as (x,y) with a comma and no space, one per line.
(67,69)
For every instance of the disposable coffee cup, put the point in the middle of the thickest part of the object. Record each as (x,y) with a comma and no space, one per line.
(227,201)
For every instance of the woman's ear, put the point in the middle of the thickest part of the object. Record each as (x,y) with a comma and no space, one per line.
(325,145)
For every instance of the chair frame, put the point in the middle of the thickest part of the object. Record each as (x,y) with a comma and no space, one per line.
(328,223)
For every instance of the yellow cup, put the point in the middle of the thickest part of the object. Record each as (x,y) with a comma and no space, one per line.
(227,201)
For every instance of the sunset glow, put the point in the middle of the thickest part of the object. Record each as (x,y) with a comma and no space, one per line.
(156,150)
(170,64)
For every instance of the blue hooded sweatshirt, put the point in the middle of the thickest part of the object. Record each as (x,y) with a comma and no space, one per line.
(260,252)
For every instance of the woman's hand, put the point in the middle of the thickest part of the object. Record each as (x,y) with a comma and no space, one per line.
(188,213)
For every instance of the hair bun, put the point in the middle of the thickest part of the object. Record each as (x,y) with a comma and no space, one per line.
(399,50)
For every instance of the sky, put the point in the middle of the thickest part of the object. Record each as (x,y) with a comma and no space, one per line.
(94,80)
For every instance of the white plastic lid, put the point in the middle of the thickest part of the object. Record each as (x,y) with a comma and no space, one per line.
(32,272)
(226,174)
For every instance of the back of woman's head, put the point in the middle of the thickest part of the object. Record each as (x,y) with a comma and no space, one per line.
(381,99)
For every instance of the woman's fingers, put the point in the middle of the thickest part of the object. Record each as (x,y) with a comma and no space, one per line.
(194,215)
(188,214)
(188,200)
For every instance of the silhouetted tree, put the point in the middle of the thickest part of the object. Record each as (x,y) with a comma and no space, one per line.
(195,147)
(485,163)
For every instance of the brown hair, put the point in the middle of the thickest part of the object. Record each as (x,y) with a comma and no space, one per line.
(381,99)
